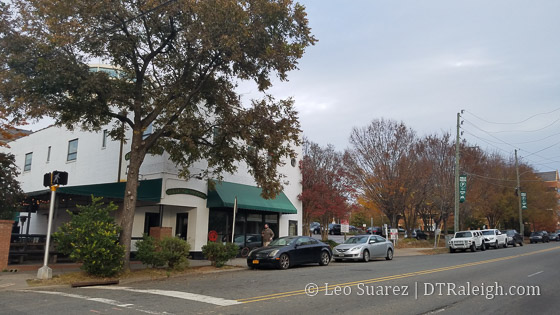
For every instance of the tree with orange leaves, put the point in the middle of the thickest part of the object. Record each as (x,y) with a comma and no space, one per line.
(325,190)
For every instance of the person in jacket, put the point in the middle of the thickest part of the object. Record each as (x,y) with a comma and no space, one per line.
(267,235)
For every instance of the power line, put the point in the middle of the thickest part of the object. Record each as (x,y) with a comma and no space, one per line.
(534,153)
(502,141)
(512,123)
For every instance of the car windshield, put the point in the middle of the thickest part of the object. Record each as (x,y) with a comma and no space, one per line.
(463,234)
(357,240)
(488,232)
(536,234)
(283,241)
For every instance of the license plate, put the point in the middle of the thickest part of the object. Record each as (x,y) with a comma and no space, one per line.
(255,262)
(340,255)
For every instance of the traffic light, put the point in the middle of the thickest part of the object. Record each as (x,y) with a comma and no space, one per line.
(55,178)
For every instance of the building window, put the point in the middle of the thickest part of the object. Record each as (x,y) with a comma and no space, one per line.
(28,158)
(104,140)
(72,150)
(49,154)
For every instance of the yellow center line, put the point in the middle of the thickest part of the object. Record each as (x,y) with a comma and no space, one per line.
(386,278)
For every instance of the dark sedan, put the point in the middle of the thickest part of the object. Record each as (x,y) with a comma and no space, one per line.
(289,251)
(334,229)
(538,237)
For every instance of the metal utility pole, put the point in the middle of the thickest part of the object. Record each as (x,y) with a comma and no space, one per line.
(521,226)
(456,213)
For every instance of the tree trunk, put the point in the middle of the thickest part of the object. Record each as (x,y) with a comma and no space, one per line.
(130,195)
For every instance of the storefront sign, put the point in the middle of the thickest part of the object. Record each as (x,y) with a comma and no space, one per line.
(185,191)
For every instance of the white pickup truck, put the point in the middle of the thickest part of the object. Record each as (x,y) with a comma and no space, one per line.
(464,240)
(494,238)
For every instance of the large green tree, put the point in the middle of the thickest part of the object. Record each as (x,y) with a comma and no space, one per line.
(179,63)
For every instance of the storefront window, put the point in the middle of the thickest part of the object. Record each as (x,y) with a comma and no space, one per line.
(218,221)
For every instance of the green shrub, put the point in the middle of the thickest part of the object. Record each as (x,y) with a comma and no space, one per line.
(175,252)
(170,251)
(91,237)
(148,253)
(219,253)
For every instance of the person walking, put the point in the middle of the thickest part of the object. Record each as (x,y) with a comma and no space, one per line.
(267,235)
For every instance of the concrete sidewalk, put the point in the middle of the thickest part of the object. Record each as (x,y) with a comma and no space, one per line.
(16,276)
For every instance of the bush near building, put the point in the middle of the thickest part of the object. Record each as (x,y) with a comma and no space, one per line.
(219,253)
(170,251)
(91,237)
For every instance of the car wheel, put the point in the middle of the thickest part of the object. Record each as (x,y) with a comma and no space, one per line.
(473,247)
(505,245)
(325,259)
(496,245)
(521,244)
(389,254)
(284,261)
(366,255)
(451,249)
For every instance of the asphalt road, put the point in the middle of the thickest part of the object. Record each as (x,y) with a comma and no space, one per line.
(503,281)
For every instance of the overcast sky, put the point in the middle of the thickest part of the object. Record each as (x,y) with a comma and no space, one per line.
(421,62)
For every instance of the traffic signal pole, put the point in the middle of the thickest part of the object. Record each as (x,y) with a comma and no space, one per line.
(45,272)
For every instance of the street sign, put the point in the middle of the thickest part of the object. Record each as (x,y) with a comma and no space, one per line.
(523,201)
(344,226)
(462,188)
(394,234)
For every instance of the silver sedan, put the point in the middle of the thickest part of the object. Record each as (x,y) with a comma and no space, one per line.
(364,247)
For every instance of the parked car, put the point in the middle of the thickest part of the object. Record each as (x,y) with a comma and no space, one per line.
(249,240)
(377,230)
(494,238)
(353,229)
(285,252)
(464,240)
(364,247)
(401,230)
(513,237)
(536,237)
(417,234)
(334,229)
(554,237)
(315,228)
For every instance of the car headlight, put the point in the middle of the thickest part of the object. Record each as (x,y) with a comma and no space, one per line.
(273,253)
(355,248)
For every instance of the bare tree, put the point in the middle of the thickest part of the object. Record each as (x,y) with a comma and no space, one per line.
(382,164)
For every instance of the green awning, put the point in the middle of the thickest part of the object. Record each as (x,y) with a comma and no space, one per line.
(248,197)
(148,190)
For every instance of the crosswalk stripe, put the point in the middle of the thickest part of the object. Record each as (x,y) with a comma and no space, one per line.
(177,294)
(100,300)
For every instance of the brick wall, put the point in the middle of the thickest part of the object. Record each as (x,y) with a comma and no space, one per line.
(5,235)
(160,232)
